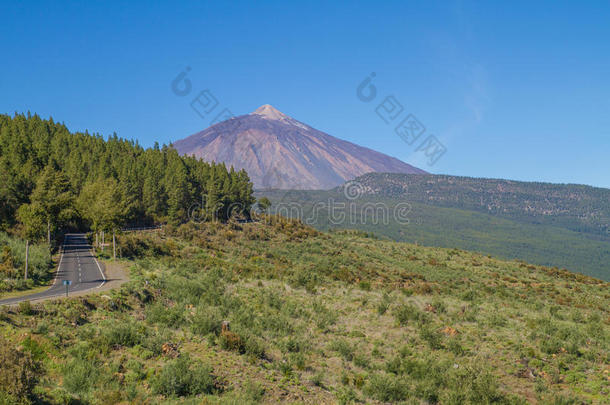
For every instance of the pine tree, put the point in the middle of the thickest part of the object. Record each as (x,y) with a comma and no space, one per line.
(42,163)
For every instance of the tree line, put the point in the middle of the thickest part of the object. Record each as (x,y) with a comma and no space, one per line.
(52,179)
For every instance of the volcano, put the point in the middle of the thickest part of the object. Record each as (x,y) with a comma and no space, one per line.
(280,152)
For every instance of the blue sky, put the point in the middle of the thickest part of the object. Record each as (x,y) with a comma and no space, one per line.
(517,90)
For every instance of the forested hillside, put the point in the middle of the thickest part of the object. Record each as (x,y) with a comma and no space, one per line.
(576,207)
(52,178)
(541,242)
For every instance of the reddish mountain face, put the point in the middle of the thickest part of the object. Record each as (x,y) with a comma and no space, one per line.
(280,152)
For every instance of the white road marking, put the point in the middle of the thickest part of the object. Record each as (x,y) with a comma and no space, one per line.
(59,265)
(70,288)
(100,269)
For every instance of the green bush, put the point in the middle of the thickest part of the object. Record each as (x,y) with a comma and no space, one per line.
(432,337)
(478,386)
(387,388)
(133,245)
(12,260)
(184,377)
(25,308)
(154,341)
(243,343)
(80,375)
(254,391)
(343,347)
(123,333)
(161,313)
(19,372)
(207,320)
(407,312)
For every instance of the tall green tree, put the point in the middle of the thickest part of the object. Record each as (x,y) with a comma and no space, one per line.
(100,204)
(54,196)
(32,219)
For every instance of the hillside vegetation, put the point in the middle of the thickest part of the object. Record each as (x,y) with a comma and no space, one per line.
(314,318)
(12,264)
(575,207)
(531,238)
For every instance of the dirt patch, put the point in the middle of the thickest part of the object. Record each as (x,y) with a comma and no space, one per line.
(116,274)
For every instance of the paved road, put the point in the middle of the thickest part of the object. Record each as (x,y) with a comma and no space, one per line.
(76,264)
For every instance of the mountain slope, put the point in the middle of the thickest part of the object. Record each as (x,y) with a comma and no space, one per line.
(576,207)
(278,151)
(548,224)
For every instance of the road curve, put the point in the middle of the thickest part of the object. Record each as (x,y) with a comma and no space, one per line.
(76,264)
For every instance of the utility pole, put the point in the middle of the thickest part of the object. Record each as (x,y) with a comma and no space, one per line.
(27,254)
(113,245)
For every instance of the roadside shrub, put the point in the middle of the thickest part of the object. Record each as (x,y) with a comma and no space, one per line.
(346,395)
(134,370)
(25,308)
(19,372)
(4,313)
(37,352)
(134,245)
(308,279)
(184,377)
(12,259)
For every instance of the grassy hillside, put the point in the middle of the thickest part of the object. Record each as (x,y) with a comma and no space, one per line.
(543,244)
(314,318)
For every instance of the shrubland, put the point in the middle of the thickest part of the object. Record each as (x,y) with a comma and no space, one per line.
(313,318)
(12,263)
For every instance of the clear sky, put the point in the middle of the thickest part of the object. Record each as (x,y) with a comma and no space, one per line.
(517,90)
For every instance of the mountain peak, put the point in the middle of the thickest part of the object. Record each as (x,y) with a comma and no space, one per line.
(270,112)
(278,151)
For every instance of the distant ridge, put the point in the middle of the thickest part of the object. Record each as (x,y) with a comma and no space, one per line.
(576,207)
(280,152)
